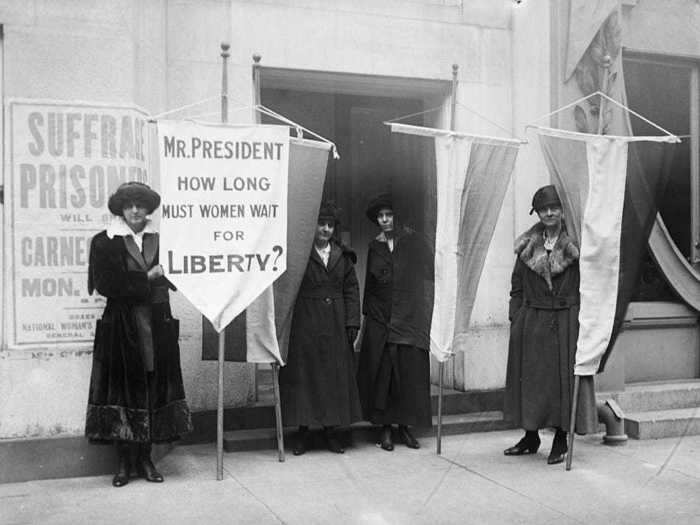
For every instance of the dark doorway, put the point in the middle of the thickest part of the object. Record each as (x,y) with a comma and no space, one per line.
(371,160)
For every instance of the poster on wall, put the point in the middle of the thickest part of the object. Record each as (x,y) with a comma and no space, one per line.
(223,219)
(64,159)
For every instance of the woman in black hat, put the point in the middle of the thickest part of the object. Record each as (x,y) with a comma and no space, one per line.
(394,367)
(136,394)
(317,385)
(543,312)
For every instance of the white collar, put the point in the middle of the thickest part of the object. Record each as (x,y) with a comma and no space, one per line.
(388,240)
(119,227)
(326,249)
(382,237)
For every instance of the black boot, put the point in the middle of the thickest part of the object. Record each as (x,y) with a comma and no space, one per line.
(559,448)
(385,438)
(407,437)
(301,440)
(121,478)
(332,441)
(146,467)
(527,445)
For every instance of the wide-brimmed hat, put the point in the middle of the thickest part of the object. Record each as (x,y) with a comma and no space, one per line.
(133,192)
(381,201)
(329,211)
(545,196)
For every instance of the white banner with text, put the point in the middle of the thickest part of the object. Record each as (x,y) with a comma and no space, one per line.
(224,212)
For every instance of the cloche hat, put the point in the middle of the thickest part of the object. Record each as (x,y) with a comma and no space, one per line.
(545,196)
(329,210)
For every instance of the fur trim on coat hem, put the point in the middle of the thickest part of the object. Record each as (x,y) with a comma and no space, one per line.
(108,423)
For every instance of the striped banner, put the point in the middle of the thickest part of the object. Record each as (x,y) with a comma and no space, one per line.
(610,187)
(472,176)
(261,332)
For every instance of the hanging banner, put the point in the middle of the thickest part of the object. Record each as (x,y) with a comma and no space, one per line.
(64,160)
(472,175)
(610,187)
(261,333)
(223,213)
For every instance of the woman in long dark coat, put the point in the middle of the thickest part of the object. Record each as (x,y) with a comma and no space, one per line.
(543,311)
(136,394)
(394,368)
(317,385)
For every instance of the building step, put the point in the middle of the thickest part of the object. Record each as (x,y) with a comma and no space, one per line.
(261,414)
(655,424)
(663,395)
(265,438)
(453,401)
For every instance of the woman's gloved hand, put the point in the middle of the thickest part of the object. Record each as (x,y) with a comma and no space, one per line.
(351,332)
(155,272)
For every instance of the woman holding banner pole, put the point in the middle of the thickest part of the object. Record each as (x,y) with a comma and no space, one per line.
(136,395)
(394,367)
(317,385)
(544,306)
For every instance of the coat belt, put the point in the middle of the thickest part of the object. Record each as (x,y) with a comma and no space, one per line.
(321,294)
(553,303)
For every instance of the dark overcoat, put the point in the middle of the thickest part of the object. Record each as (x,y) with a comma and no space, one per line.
(318,385)
(125,401)
(394,367)
(544,306)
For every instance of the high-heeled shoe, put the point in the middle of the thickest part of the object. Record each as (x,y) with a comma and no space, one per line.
(527,445)
(385,439)
(121,478)
(559,448)
(407,437)
(146,467)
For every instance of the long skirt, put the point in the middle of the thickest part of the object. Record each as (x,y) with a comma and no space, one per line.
(317,386)
(125,401)
(394,382)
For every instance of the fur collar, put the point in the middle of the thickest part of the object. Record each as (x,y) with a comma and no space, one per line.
(530,249)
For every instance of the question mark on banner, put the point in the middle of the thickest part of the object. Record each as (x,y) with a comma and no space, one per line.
(279,251)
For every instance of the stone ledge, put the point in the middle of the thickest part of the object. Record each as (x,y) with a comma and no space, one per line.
(265,438)
(663,395)
(663,423)
(64,457)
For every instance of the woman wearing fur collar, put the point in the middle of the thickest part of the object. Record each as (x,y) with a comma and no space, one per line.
(543,312)
(136,394)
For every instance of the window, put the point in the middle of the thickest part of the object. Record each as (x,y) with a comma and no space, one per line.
(666,91)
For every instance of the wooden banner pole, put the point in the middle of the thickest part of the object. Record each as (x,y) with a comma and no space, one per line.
(441,374)
(572,423)
(441,365)
(278,411)
(220,412)
(222,334)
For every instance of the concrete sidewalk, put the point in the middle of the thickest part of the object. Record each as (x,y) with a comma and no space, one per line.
(656,481)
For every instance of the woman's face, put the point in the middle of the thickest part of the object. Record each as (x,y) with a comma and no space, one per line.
(551,216)
(385,219)
(324,231)
(135,215)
